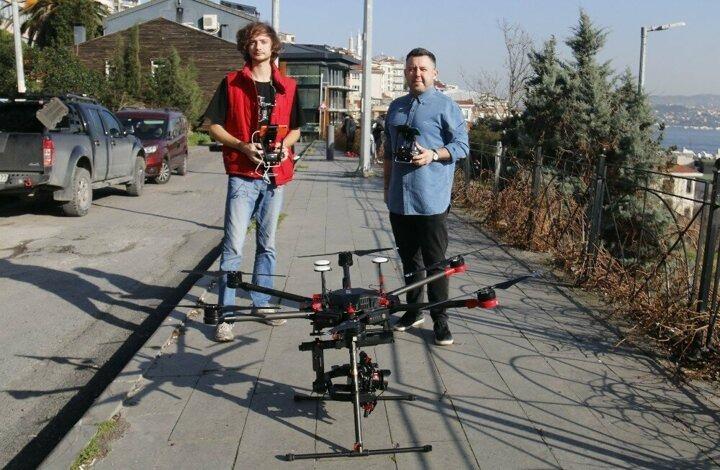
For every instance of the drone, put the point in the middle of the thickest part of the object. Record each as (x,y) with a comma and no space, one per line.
(353,318)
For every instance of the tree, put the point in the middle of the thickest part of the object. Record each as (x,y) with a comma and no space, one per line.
(175,86)
(545,116)
(589,91)
(133,81)
(509,86)
(58,71)
(8,78)
(50,22)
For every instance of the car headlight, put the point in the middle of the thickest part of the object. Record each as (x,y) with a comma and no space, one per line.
(151,149)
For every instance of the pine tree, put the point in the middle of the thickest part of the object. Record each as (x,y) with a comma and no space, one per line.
(132,80)
(544,118)
(590,91)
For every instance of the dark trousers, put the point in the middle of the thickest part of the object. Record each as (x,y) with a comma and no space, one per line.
(349,140)
(422,241)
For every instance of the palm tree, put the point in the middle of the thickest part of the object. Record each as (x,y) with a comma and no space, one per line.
(50,21)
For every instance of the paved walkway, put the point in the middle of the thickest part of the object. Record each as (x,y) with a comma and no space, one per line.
(536,383)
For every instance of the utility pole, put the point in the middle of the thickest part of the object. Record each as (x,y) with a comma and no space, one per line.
(19,68)
(366,86)
(643,46)
(276,15)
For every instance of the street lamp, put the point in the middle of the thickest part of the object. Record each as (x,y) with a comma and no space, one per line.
(643,45)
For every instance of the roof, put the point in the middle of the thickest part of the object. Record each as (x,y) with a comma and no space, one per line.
(158,20)
(217,6)
(683,169)
(315,52)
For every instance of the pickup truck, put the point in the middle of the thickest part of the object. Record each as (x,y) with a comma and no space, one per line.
(87,149)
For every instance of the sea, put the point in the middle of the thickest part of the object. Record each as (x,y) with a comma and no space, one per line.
(697,140)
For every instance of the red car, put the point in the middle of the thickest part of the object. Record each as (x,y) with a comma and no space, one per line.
(163,133)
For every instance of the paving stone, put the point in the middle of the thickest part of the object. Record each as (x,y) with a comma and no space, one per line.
(217,408)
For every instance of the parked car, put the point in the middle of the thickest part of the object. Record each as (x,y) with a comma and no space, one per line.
(163,133)
(86,148)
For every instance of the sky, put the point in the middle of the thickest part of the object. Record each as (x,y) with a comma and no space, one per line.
(465,37)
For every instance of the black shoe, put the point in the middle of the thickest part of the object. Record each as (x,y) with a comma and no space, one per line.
(408,320)
(443,337)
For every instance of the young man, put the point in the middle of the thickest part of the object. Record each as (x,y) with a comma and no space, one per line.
(418,193)
(247,99)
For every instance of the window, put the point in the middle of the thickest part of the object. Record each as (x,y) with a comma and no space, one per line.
(156,64)
(111,125)
(309,99)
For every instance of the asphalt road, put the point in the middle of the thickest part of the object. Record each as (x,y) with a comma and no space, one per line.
(78,296)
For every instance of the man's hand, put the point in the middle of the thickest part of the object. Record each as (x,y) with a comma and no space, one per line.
(253,151)
(285,150)
(423,158)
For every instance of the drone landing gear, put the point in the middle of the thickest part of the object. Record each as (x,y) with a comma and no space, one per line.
(364,379)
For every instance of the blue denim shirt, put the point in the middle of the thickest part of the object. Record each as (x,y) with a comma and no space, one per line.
(425,190)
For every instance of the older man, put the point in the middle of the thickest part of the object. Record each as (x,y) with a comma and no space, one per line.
(425,135)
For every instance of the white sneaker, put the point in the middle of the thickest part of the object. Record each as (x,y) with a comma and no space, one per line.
(223,332)
(264,311)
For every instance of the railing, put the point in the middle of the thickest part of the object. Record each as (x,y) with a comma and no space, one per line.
(647,237)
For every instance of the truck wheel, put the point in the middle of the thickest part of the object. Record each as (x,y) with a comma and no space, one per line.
(183,168)
(135,187)
(164,173)
(81,200)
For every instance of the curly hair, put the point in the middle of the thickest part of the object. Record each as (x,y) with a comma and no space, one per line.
(252,30)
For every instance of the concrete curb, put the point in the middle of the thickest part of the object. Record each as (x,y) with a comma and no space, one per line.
(111,400)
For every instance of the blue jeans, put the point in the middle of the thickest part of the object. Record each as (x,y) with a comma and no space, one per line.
(248,198)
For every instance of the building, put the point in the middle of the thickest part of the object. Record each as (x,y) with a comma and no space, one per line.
(115,6)
(322,73)
(157,38)
(392,83)
(682,183)
(217,19)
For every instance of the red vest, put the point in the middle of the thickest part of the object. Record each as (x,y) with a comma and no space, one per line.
(241,120)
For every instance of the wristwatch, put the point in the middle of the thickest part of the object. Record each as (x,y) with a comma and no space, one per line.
(436,156)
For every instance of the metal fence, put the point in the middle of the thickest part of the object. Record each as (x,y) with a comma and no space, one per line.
(654,233)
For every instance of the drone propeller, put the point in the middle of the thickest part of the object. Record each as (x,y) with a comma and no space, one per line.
(222,273)
(228,308)
(355,252)
(444,262)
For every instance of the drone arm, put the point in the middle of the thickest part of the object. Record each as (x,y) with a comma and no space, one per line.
(278,293)
(447,272)
(236,317)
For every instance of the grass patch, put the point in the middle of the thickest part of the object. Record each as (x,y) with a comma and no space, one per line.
(198,138)
(99,445)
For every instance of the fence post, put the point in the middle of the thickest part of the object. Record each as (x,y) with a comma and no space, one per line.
(710,244)
(468,167)
(537,173)
(330,148)
(706,205)
(596,214)
(498,167)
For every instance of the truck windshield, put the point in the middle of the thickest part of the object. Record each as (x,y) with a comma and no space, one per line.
(145,128)
(20,117)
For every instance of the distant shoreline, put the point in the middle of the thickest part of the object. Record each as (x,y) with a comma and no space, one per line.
(695,138)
